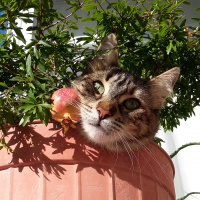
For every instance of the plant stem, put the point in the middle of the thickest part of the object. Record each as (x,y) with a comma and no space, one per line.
(184,146)
(63,19)
(9,68)
(187,195)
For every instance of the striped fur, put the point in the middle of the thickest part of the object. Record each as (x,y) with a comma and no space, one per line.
(121,129)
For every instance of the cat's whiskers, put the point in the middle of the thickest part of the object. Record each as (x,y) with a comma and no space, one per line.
(132,152)
(117,150)
(127,147)
(154,158)
(75,102)
(149,152)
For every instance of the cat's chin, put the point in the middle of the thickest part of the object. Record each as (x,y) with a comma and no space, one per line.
(96,134)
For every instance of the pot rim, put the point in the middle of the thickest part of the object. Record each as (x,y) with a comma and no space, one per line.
(35,122)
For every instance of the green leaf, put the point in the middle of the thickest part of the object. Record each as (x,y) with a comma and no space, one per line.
(197,9)
(20,35)
(3,143)
(46,105)
(187,3)
(174,47)
(26,15)
(89,29)
(30,44)
(47,116)
(40,113)
(158,140)
(39,108)
(87,19)
(183,23)
(3,84)
(36,53)
(27,107)
(32,28)
(89,6)
(18,32)
(86,1)
(97,16)
(43,87)
(41,66)
(26,20)
(18,89)
(44,43)
(169,47)
(17,78)
(28,66)
(32,97)
(180,2)
(34,110)
(3,129)
(29,99)
(8,116)
(76,16)
(24,120)
(31,85)
(196,19)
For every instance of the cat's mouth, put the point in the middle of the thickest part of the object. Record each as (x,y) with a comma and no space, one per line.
(99,127)
(98,131)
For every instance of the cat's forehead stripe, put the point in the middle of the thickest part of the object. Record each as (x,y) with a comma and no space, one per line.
(113,72)
(122,83)
(123,80)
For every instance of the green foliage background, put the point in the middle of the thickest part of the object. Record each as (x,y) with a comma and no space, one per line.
(152,38)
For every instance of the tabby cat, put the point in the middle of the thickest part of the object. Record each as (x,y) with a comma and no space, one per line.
(119,111)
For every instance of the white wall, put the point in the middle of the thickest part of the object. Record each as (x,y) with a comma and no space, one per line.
(27,34)
(187,161)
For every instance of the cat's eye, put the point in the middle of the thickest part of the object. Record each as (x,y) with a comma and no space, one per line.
(131,104)
(98,87)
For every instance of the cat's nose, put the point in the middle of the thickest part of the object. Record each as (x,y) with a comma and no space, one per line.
(103,113)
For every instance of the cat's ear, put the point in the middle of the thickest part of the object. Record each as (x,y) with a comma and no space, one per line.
(162,85)
(109,45)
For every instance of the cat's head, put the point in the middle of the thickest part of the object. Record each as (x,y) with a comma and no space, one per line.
(118,110)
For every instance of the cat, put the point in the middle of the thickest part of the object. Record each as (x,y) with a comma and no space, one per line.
(119,111)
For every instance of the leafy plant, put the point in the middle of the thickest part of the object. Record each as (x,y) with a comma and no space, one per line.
(152,38)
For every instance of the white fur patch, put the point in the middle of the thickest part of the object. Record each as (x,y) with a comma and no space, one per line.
(97,132)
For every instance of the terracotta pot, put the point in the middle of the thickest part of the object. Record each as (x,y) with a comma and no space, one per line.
(47,165)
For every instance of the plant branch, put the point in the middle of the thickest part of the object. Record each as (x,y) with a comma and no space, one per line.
(9,68)
(6,19)
(187,195)
(100,4)
(184,146)
(55,23)
(115,10)
(63,19)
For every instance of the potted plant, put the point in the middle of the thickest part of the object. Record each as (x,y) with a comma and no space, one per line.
(150,41)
